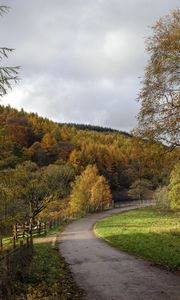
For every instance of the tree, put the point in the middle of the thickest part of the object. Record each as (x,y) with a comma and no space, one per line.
(174,187)
(158,118)
(101,196)
(48,141)
(8,75)
(90,192)
(161,198)
(81,191)
(38,154)
(58,179)
(139,189)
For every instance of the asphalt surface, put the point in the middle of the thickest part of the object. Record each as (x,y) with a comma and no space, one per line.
(105,273)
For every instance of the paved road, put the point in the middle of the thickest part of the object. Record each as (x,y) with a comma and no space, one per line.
(105,273)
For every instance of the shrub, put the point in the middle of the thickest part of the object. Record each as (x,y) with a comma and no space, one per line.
(174,187)
(161,198)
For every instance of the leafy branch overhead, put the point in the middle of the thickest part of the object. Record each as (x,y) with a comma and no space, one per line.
(160,94)
(8,75)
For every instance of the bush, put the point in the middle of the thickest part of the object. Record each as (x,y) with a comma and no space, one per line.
(174,187)
(161,198)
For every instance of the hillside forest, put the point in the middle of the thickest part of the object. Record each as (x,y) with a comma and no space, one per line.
(49,169)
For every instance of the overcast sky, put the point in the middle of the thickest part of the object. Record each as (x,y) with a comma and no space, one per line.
(81,60)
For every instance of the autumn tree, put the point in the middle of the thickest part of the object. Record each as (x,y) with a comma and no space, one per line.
(160,96)
(90,191)
(101,196)
(8,75)
(48,141)
(38,154)
(81,191)
(19,130)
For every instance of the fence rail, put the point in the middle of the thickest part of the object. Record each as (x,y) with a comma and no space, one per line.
(24,233)
(132,203)
(16,252)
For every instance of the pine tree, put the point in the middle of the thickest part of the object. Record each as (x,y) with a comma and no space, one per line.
(8,75)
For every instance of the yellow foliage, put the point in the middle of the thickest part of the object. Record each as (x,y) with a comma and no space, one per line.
(48,141)
(90,192)
(101,196)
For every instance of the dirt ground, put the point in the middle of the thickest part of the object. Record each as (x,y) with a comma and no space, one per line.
(105,273)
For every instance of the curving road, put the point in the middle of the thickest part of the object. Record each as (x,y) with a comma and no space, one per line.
(105,273)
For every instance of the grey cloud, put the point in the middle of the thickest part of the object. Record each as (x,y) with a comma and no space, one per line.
(81,60)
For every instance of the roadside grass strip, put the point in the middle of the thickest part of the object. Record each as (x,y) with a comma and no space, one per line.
(48,276)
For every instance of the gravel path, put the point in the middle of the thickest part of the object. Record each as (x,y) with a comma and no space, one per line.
(105,273)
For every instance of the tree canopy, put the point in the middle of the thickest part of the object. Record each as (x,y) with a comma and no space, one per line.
(159,116)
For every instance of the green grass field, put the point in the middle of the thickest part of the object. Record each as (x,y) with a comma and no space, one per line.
(147,233)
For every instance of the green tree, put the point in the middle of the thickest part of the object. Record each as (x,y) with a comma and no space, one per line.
(58,179)
(139,189)
(10,205)
(8,75)
(160,96)
(161,198)
(174,187)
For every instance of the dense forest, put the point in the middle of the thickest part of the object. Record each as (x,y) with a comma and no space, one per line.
(47,167)
(95,128)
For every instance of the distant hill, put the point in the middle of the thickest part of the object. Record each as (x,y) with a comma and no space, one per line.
(96,128)
(119,157)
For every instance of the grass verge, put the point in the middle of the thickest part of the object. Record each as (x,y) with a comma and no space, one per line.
(148,233)
(48,276)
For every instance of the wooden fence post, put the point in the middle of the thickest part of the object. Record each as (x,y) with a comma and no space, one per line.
(7,260)
(31,239)
(45,227)
(14,241)
(1,243)
(39,227)
(15,231)
(23,230)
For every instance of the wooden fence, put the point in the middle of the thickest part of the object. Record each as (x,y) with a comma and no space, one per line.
(133,203)
(16,252)
(24,233)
